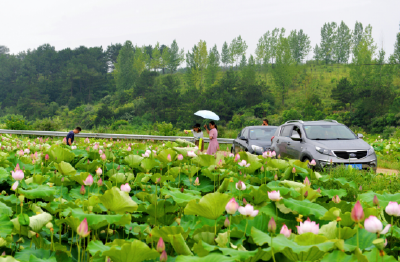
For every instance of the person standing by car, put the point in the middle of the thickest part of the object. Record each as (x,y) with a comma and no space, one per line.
(213,133)
(198,136)
(71,135)
(265,122)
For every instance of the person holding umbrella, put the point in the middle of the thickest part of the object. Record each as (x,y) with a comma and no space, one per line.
(198,136)
(213,133)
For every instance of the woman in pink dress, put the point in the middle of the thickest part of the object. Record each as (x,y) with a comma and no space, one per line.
(213,133)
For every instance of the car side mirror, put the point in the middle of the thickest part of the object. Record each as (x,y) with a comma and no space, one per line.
(361,136)
(242,138)
(296,137)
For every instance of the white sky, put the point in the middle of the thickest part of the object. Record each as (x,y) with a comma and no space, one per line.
(26,24)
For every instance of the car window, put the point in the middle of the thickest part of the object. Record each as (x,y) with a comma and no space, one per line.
(329,132)
(262,133)
(287,131)
(245,133)
(296,130)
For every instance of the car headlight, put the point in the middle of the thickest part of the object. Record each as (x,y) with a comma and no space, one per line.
(257,148)
(324,151)
(370,151)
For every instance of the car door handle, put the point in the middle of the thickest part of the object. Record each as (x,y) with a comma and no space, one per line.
(277,141)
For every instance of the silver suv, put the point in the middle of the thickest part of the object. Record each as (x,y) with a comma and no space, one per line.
(327,142)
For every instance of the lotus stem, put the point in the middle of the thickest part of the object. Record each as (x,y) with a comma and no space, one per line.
(229,232)
(272,250)
(339,230)
(72,240)
(108,229)
(60,228)
(79,249)
(215,227)
(155,216)
(179,185)
(247,222)
(358,226)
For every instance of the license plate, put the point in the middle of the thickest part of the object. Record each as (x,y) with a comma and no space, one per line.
(355,166)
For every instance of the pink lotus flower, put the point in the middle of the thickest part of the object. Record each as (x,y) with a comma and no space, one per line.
(262,168)
(180,157)
(191,154)
(243,163)
(103,157)
(273,153)
(99,171)
(271,225)
(275,177)
(88,181)
(73,147)
(100,152)
(374,225)
(196,182)
(15,185)
(100,182)
(319,190)
(240,185)
(147,153)
(160,245)
(308,226)
(169,158)
(126,188)
(248,211)
(376,201)
(226,222)
(83,229)
(293,170)
(307,182)
(274,195)
(357,213)
(267,154)
(279,156)
(17,175)
(285,231)
(17,167)
(65,140)
(87,141)
(163,256)
(336,199)
(231,155)
(313,163)
(83,190)
(237,158)
(46,157)
(393,209)
(96,146)
(232,206)
(21,152)
(129,148)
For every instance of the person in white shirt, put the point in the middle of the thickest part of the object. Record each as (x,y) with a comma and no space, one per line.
(198,136)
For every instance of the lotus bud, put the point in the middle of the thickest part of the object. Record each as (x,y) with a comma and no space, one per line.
(226,222)
(83,229)
(240,185)
(279,156)
(360,188)
(285,231)
(4,253)
(15,185)
(118,168)
(307,182)
(319,190)
(17,175)
(100,182)
(375,201)
(49,225)
(46,157)
(262,168)
(83,190)
(393,209)
(169,157)
(232,206)
(306,194)
(293,170)
(313,163)
(158,180)
(126,188)
(103,157)
(275,177)
(336,199)
(21,198)
(274,195)
(180,157)
(237,158)
(271,225)
(182,189)
(99,171)
(163,256)
(62,180)
(244,201)
(357,213)
(196,182)
(88,181)
(160,245)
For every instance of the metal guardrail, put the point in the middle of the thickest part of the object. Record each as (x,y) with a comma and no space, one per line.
(116,136)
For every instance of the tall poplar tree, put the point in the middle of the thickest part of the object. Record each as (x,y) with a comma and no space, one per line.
(300,45)
(396,54)
(357,37)
(317,53)
(176,57)
(328,36)
(225,56)
(156,57)
(212,66)
(341,51)
(124,74)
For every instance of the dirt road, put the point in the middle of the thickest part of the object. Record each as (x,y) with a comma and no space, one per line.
(387,171)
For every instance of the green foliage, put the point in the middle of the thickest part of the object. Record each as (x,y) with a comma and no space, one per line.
(48,124)
(16,122)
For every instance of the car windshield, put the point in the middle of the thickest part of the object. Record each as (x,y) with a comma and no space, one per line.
(329,132)
(262,133)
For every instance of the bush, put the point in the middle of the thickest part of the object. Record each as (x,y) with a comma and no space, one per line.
(165,129)
(48,124)
(16,122)
(117,124)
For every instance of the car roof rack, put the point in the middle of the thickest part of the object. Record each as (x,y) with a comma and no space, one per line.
(330,120)
(294,121)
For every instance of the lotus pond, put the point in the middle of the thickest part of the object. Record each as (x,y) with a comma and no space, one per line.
(105,200)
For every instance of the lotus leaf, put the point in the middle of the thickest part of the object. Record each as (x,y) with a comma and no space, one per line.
(133,160)
(305,207)
(136,251)
(118,201)
(65,168)
(210,206)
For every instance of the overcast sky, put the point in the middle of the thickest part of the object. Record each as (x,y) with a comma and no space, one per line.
(28,24)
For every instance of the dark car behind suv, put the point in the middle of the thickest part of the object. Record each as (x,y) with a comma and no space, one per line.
(327,142)
(254,139)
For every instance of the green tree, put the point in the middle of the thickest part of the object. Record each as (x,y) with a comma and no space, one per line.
(165,58)
(357,37)
(283,70)
(243,62)
(4,49)
(124,74)
(156,57)
(341,51)
(317,53)
(300,45)
(212,66)
(225,55)
(396,53)
(140,60)
(176,57)
(197,63)
(344,92)
(237,49)
(328,39)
